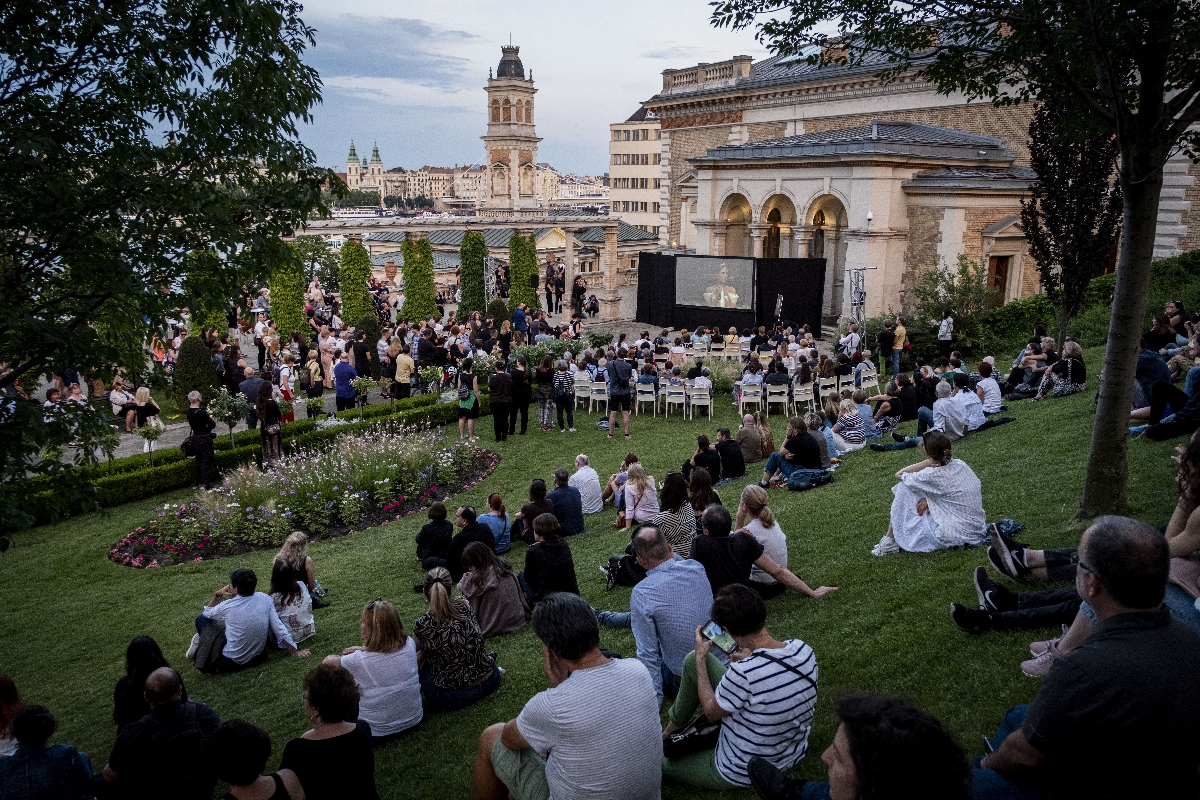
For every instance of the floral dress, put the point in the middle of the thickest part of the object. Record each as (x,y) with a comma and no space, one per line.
(296,614)
(454,653)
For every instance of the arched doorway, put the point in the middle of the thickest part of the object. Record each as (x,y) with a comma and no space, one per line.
(736,215)
(779,215)
(825,228)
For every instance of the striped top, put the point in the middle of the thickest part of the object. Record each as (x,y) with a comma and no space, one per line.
(771,710)
(853,430)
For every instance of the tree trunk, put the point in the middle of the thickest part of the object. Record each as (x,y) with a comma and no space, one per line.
(1105,487)
(1064,325)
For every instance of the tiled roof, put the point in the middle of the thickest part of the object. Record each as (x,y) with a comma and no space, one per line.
(441,260)
(498,237)
(881,137)
(1013,178)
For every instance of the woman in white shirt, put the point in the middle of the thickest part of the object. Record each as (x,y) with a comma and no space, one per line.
(641,500)
(754,518)
(988,389)
(287,382)
(292,601)
(938,503)
(385,669)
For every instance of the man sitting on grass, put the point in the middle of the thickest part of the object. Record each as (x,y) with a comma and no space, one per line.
(587,482)
(250,619)
(798,451)
(567,503)
(1116,717)
(594,733)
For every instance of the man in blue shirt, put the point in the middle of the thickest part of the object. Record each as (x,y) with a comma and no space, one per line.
(343,373)
(520,324)
(568,504)
(665,609)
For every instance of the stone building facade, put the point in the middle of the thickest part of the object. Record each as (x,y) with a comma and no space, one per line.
(635,170)
(883,179)
(511,142)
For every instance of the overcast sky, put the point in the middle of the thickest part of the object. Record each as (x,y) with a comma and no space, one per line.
(411,75)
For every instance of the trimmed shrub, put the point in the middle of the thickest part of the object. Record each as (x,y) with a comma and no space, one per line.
(473,255)
(353,276)
(522,266)
(287,296)
(598,338)
(498,310)
(194,372)
(420,300)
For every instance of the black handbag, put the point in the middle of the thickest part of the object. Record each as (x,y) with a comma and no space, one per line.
(697,736)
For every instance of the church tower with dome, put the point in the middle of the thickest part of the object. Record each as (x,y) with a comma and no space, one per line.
(509,185)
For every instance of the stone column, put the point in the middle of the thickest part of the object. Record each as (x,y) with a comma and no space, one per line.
(801,236)
(718,240)
(758,235)
(785,242)
(610,298)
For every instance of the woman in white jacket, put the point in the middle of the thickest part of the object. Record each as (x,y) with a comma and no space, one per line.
(938,503)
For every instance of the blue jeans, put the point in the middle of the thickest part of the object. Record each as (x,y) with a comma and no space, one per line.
(567,405)
(991,785)
(778,462)
(924,420)
(895,363)
(1192,375)
(525,586)
(1182,606)
(438,699)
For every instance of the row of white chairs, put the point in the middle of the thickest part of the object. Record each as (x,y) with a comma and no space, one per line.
(763,396)
(688,398)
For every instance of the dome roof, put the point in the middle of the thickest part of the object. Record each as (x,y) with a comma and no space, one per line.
(510,63)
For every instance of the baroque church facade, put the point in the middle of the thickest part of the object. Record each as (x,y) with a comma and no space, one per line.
(786,159)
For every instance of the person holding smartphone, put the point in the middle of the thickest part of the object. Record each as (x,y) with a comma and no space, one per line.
(765,699)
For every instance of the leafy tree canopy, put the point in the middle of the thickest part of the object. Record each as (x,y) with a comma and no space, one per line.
(153,130)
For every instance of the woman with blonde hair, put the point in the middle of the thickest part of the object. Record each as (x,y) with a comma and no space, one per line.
(641,500)
(294,554)
(756,519)
(146,412)
(491,587)
(764,433)
(385,668)
(455,670)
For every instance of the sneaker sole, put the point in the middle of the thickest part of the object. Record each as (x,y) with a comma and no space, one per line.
(962,628)
(1009,568)
(979,593)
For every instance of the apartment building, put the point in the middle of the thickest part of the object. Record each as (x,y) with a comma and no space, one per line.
(635,174)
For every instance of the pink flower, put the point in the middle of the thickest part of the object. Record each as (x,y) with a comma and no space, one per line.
(207,539)
(200,546)
(197,558)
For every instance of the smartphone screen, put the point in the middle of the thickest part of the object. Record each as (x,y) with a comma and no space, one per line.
(720,639)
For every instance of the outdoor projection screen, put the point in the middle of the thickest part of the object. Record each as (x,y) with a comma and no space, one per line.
(711,282)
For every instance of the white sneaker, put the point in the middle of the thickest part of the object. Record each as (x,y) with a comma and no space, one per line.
(194,646)
(572,430)
(887,545)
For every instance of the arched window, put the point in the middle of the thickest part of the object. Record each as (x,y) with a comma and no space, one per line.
(507,113)
(495,111)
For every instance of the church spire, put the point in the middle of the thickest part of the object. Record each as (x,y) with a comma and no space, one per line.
(353,154)
(375,159)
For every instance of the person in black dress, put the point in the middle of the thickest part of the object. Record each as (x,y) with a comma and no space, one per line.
(271,431)
(522,393)
(706,456)
(334,759)
(142,657)
(239,751)
(549,566)
(202,426)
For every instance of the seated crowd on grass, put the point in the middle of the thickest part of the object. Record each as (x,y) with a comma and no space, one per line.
(1115,716)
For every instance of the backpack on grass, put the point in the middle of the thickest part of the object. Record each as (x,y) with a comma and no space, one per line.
(803,479)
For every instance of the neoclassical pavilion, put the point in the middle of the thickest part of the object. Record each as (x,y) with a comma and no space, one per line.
(890,198)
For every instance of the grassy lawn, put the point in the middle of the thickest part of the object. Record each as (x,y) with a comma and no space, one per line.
(68,612)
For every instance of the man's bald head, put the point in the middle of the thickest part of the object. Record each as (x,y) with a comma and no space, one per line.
(748,421)
(163,686)
(651,546)
(1129,558)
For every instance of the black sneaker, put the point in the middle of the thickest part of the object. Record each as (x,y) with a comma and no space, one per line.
(772,783)
(969,619)
(897,437)
(1002,558)
(992,596)
(878,448)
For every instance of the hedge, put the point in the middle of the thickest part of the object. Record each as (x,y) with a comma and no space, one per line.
(134,479)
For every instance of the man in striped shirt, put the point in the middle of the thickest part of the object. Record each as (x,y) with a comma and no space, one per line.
(765,699)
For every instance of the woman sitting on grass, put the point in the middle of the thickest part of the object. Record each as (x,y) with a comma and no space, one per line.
(385,668)
(764,433)
(491,587)
(897,404)
(701,494)
(641,500)
(549,565)
(849,432)
(292,601)
(294,553)
(938,503)
(676,520)
(1068,375)
(498,521)
(455,669)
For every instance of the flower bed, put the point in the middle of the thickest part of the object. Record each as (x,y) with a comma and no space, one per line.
(360,480)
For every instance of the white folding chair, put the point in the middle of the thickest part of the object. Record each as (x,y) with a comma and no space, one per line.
(869,380)
(717,350)
(803,393)
(674,395)
(778,393)
(825,388)
(645,394)
(752,395)
(598,394)
(699,397)
(583,388)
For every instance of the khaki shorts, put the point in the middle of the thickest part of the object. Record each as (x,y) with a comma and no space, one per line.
(522,771)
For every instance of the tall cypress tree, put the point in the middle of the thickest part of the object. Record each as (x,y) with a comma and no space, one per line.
(353,275)
(522,266)
(1072,221)
(287,296)
(473,255)
(420,300)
